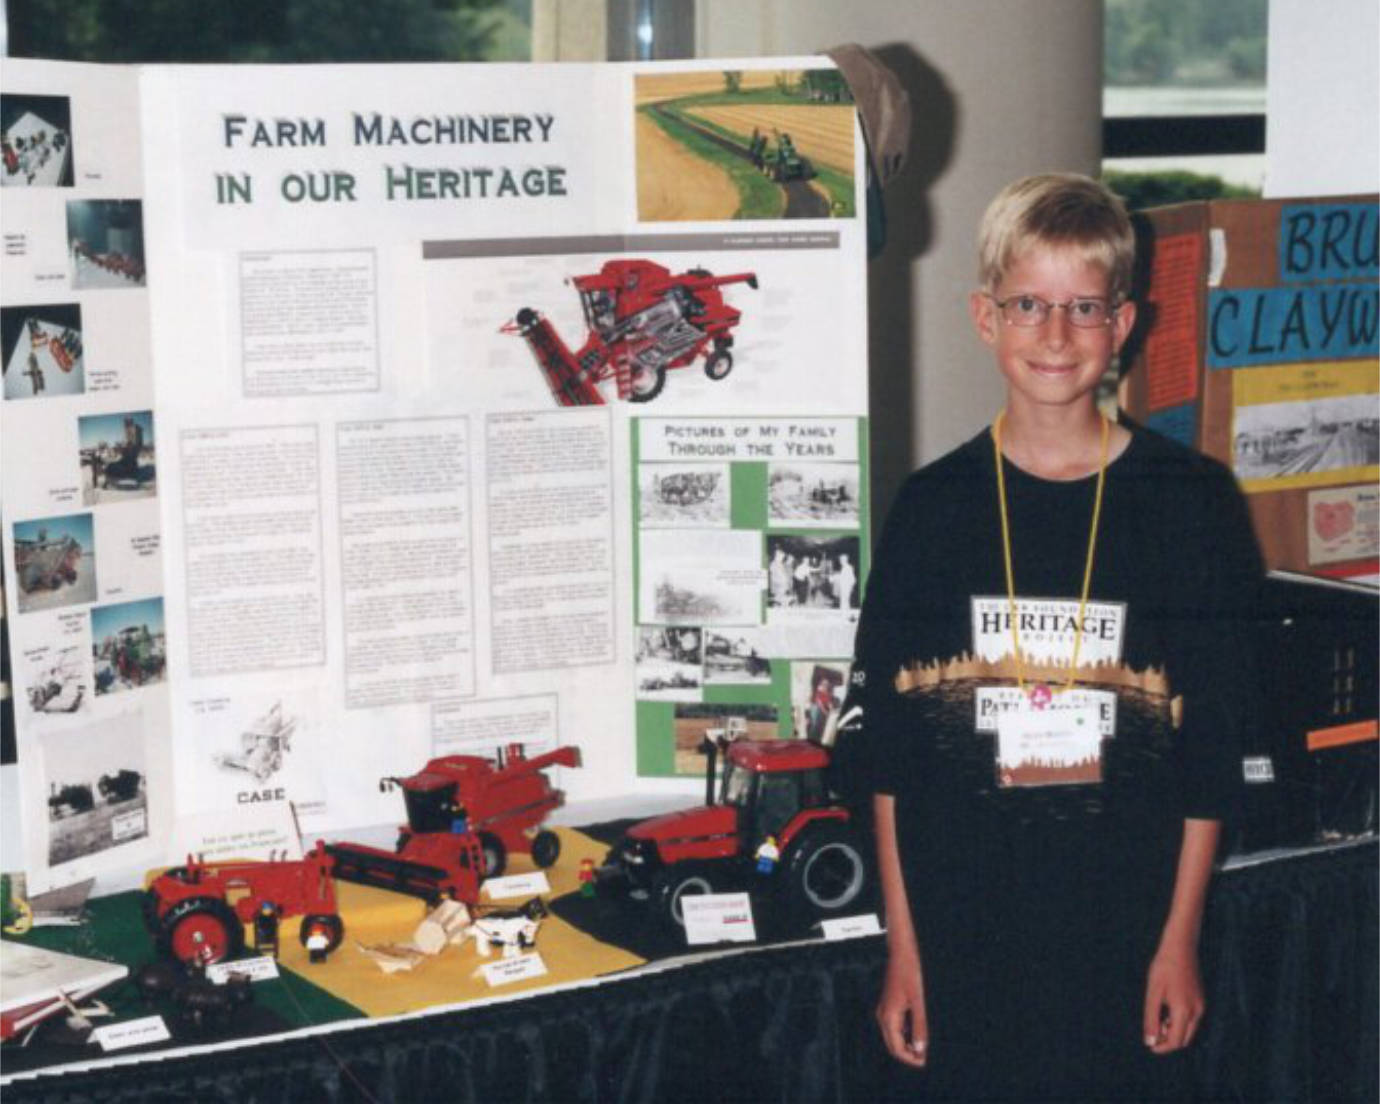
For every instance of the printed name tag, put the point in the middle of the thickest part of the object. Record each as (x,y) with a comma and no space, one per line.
(1049,747)
(262,968)
(993,701)
(517,885)
(508,970)
(850,927)
(149,1029)
(718,918)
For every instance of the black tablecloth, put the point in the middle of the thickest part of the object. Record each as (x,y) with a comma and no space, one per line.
(1290,958)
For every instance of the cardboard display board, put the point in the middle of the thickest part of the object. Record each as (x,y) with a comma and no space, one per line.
(1261,350)
(356,415)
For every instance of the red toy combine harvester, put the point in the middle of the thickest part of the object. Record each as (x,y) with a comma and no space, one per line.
(465,815)
(642,321)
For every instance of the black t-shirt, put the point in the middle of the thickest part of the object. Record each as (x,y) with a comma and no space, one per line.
(1036,901)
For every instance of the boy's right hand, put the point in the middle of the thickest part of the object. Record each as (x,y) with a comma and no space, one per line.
(901,1011)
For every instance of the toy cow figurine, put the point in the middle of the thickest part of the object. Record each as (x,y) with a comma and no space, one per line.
(515,929)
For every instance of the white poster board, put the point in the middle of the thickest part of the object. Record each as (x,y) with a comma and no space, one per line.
(418,410)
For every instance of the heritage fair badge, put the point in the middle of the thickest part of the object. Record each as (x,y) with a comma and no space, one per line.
(1043,743)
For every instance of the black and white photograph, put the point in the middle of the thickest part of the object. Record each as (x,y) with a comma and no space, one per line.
(128,645)
(817,691)
(105,243)
(56,679)
(804,495)
(1277,440)
(700,577)
(36,141)
(669,663)
(42,351)
(117,457)
(97,793)
(736,656)
(696,723)
(812,573)
(683,495)
(55,562)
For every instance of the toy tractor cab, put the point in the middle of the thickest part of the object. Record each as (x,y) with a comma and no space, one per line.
(775,827)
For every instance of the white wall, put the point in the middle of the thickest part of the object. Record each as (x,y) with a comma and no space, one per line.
(999,89)
(1322,126)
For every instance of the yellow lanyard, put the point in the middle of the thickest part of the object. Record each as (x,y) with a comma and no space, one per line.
(1006,552)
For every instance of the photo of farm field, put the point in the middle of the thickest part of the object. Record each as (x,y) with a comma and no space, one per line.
(750,144)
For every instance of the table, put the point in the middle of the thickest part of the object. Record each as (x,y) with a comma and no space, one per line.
(1290,961)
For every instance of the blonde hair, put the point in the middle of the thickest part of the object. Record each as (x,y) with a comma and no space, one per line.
(1062,210)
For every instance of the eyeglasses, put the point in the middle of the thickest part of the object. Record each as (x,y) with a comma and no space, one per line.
(1031,310)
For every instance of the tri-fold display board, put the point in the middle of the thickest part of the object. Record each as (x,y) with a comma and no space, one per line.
(359,414)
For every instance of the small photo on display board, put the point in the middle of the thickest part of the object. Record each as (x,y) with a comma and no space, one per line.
(117,457)
(42,351)
(35,141)
(105,243)
(744,144)
(55,562)
(694,724)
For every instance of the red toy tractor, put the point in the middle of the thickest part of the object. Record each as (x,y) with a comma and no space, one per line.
(642,321)
(503,801)
(196,912)
(772,790)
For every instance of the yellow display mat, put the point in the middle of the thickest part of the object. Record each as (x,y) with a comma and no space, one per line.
(374,916)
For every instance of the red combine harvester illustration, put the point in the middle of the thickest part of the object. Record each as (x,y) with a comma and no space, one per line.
(642,321)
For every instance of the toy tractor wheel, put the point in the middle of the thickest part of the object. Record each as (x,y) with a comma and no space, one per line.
(495,854)
(719,365)
(671,887)
(827,871)
(200,930)
(546,848)
(328,925)
(151,899)
(646,384)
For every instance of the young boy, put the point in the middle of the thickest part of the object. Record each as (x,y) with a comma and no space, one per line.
(1050,666)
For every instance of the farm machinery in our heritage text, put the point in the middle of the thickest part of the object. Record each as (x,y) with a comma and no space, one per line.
(775,827)
(642,321)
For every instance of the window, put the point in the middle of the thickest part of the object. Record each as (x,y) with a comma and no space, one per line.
(1184,99)
(270,30)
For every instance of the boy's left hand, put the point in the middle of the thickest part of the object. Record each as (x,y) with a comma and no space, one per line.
(1174,1001)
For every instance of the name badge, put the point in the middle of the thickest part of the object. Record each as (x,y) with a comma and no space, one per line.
(1052,745)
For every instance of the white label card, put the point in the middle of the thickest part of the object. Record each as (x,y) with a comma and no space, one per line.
(508,970)
(850,927)
(718,918)
(517,885)
(262,968)
(149,1029)
(1049,746)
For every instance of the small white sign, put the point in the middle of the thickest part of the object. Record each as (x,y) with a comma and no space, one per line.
(149,1029)
(261,831)
(1257,769)
(517,885)
(507,970)
(262,968)
(718,918)
(850,927)
(130,825)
